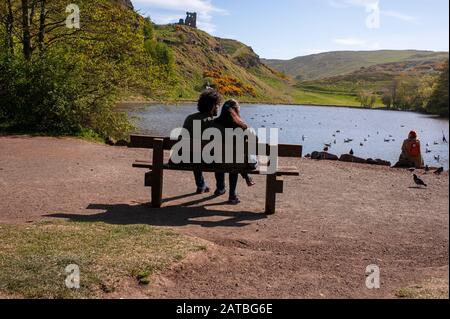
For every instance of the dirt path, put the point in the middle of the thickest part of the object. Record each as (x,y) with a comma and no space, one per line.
(332,222)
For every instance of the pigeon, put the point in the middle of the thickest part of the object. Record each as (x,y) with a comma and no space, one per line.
(352,152)
(418,181)
(428,150)
(361,144)
(439,171)
(437,158)
(326,149)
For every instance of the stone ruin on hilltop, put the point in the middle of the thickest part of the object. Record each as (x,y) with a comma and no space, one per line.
(190,21)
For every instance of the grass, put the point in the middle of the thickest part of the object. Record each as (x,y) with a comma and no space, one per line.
(319,98)
(432,289)
(85,134)
(33,257)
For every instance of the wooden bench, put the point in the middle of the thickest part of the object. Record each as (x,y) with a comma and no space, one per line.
(154,178)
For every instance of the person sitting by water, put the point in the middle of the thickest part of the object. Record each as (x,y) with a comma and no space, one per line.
(411,153)
(230,118)
(208,108)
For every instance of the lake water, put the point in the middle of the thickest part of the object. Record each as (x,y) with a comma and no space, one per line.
(372,128)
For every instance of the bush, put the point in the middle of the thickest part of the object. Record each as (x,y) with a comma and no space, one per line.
(49,95)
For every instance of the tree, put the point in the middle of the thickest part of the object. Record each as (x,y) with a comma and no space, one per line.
(386,98)
(367,98)
(439,100)
(66,80)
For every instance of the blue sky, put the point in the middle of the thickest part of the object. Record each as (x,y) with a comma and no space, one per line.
(288,28)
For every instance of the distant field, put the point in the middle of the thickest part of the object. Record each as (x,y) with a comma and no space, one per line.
(321,98)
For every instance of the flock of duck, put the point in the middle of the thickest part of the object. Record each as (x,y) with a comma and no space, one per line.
(328,145)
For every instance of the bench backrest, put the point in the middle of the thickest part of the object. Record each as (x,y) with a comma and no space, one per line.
(147,142)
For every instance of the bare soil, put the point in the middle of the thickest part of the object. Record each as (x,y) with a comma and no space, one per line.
(332,222)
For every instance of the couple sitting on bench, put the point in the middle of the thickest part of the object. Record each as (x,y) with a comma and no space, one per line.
(208,107)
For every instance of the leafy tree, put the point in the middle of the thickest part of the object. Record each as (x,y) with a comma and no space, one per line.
(439,100)
(62,80)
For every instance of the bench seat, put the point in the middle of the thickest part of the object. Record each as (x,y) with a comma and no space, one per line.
(281,171)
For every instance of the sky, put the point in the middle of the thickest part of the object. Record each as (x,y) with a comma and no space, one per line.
(284,29)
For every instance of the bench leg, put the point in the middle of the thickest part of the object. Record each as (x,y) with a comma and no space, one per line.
(271,194)
(157,173)
(273,187)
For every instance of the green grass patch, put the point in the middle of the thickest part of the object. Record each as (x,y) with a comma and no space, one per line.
(321,98)
(33,258)
(431,289)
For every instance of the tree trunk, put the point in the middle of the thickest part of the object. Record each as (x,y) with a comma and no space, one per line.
(26,40)
(9,27)
(42,26)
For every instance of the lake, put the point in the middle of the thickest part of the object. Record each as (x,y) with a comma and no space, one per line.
(370,130)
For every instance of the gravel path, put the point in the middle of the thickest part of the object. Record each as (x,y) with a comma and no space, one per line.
(332,222)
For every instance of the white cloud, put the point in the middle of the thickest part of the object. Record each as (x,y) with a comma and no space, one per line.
(173,10)
(371,3)
(398,15)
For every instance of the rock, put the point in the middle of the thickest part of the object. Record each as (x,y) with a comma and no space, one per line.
(121,143)
(110,141)
(382,162)
(324,156)
(352,159)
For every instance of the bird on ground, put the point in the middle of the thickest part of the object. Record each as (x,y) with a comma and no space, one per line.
(361,144)
(437,158)
(352,152)
(419,182)
(428,144)
(428,150)
(436,143)
(338,131)
(335,142)
(386,140)
(365,140)
(439,171)
(326,149)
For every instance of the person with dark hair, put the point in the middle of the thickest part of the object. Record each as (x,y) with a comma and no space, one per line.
(411,153)
(230,117)
(208,108)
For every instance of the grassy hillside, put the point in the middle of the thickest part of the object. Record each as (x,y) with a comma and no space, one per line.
(230,66)
(331,64)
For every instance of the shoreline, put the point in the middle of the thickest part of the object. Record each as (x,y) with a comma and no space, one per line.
(262,103)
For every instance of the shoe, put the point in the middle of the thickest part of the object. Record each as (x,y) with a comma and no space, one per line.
(220,192)
(234,200)
(203,190)
(250,182)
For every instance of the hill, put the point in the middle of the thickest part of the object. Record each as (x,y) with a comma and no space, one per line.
(228,65)
(375,78)
(331,64)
